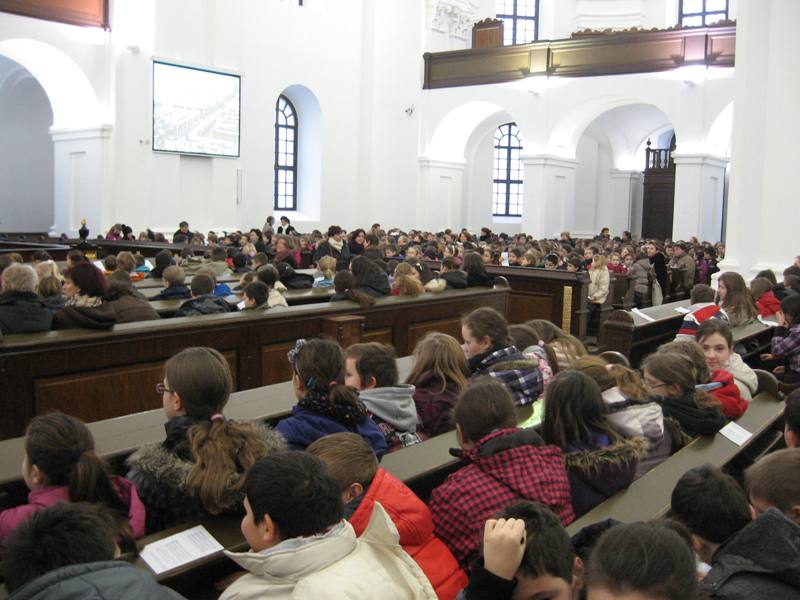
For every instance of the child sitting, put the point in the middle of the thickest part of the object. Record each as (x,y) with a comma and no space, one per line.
(174,286)
(220,289)
(406,281)
(599,462)
(702,308)
(198,470)
(615,264)
(505,464)
(716,341)
(327,270)
(533,348)
(452,274)
(301,547)
(363,483)
(489,352)
(749,557)
(786,340)
(325,404)
(772,482)
(766,302)
(371,368)
(344,286)
(440,374)
(255,296)
(60,465)
(68,551)
(566,347)
(526,554)
(268,275)
(203,301)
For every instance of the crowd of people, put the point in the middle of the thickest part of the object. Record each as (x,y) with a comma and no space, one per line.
(320,515)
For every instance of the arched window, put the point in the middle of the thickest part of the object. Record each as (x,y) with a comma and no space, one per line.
(698,13)
(507,186)
(285,155)
(520,20)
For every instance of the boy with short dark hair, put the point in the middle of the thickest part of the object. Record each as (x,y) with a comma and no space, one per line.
(300,547)
(174,286)
(363,483)
(702,308)
(749,557)
(255,295)
(203,301)
(218,264)
(371,368)
(505,464)
(68,551)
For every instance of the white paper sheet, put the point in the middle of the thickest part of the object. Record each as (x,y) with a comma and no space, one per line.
(636,311)
(683,310)
(767,322)
(180,549)
(736,433)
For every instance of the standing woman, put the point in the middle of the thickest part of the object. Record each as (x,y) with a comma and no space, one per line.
(659,265)
(735,299)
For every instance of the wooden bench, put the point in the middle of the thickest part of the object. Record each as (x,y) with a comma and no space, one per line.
(168,308)
(80,371)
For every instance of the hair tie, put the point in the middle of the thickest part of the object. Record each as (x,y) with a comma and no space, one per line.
(217,417)
(332,383)
(540,343)
(609,367)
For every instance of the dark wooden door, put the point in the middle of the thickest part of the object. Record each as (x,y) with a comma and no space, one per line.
(658,204)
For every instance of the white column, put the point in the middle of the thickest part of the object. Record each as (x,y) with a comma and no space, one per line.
(548,195)
(763,205)
(626,201)
(699,191)
(81,180)
(441,193)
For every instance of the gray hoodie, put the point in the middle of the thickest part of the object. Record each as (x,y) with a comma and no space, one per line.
(393,405)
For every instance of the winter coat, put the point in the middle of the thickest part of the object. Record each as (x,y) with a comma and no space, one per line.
(638,271)
(761,561)
(85,317)
(599,280)
(659,265)
(275,298)
(130,309)
(48,496)
(768,304)
(159,471)
(54,303)
(23,312)
(218,267)
(207,304)
(632,418)
(596,473)
(698,313)
(394,412)
(521,376)
(687,263)
(786,345)
(455,279)
(729,396)
(692,419)
(297,281)
(106,580)
(342,256)
(506,466)
(333,564)
(305,426)
(743,376)
(173,292)
(415,525)
(434,405)
(477,280)
(374,284)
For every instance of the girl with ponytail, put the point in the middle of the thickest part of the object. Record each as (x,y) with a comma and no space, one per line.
(324,403)
(198,470)
(60,465)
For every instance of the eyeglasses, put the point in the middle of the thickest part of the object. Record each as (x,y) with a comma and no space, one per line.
(161,389)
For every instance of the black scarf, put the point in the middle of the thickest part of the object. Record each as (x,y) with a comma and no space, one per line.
(177,429)
(350,414)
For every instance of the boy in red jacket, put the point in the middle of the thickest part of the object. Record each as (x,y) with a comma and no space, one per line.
(363,483)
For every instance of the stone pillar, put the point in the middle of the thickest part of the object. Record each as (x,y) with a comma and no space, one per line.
(763,205)
(699,191)
(548,195)
(441,194)
(626,202)
(81,180)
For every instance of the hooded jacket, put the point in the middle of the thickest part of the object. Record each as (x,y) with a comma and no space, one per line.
(505,466)
(638,271)
(173,292)
(159,471)
(23,312)
(85,317)
(106,580)
(599,280)
(729,396)
(415,526)
(130,309)
(761,561)
(207,304)
(509,366)
(455,279)
(434,405)
(394,412)
(369,278)
(48,496)
(333,564)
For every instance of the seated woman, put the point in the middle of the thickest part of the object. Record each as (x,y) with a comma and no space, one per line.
(489,352)
(476,271)
(599,461)
(324,403)
(21,310)
(85,288)
(628,409)
(369,278)
(198,470)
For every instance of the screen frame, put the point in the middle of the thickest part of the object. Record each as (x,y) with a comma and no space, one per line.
(172,63)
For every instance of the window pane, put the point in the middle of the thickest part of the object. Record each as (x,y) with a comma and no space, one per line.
(716,5)
(692,6)
(692,21)
(714,18)
(526,8)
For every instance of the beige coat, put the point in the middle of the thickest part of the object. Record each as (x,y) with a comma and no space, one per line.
(598,285)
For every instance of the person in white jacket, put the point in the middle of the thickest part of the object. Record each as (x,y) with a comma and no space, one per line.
(302,548)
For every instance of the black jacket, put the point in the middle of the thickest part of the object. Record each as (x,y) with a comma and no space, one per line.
(23,312)
(477,280)
(455,279)
(342,258)
(173,292)
(203,305)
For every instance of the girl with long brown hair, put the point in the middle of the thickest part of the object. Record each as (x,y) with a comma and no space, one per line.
(735,299)
(199,468)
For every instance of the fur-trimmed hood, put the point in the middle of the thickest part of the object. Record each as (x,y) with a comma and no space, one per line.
(614,455)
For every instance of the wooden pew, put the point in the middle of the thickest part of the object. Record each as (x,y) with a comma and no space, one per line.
(649,497)
(96,375)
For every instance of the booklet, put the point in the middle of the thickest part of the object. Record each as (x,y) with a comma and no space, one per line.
(180,549)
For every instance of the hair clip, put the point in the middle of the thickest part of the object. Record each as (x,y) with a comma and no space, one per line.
(217,417)
(292,354)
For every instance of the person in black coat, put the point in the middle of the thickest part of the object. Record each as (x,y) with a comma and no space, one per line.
(335,246)
(21,310)
(369,278)
(476,271)
(659,266)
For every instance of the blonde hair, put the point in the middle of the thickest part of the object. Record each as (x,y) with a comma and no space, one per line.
(47,268)
(599,261)
(405,282)
(327,266)
(442,355)
(608,376)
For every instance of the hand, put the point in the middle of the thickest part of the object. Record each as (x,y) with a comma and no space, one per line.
(503,546)
(779,370)
(781,318)
(767,357)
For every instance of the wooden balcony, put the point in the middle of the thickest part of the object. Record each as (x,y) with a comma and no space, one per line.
(584,56)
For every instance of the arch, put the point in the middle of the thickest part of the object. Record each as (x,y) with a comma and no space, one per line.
(72,98)
(309,147)
(719,134)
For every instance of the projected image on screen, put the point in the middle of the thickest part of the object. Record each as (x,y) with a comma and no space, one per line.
(195,111)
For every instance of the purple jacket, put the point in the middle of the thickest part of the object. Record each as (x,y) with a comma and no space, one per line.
(305,426)
(48,496)
(786,345)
